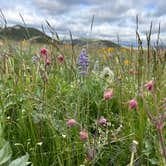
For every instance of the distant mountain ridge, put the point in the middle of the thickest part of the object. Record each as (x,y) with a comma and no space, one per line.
(94,43)
(19,33)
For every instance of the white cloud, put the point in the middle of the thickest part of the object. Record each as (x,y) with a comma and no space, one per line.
(111,17)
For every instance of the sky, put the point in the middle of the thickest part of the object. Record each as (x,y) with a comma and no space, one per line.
(112,18)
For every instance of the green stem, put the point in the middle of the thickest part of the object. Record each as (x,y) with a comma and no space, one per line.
(132,159)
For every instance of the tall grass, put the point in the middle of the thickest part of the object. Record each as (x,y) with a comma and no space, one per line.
(37,101)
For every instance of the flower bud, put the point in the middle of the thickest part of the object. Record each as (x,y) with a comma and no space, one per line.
(132,104)
(108,94)
(71,122)
(150,86)
(83,136)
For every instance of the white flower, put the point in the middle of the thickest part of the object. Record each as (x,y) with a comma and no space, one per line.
(107,74)
(96,66)
(39,143)
(134,146)
(8,117)
(63,135)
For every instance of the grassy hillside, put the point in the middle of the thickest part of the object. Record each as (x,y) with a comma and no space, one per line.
(95,43)
(19,32)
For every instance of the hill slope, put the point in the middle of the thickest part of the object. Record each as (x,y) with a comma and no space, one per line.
(94,43)
(19,32)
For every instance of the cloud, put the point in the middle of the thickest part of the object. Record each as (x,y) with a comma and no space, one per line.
(50,7)
(160,8)
(111,17)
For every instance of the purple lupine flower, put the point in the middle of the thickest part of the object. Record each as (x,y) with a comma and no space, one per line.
(83,62)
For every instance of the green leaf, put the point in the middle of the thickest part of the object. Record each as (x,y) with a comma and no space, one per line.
(148,145)
(154,161)
(21,161)
(38,117)
(5,153)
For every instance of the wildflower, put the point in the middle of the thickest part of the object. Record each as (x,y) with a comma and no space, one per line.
(126,62)
(133,151)
(96,66)
(35,59)
(83,136)
(8,117)
(134,146)
(39,143)
(61,58)
(107,74)
(71,122)
(150,86)
(83,62)
(109,50)
(44,55)
(47,62)
(108,94)
(63,135)
(132,104)
(104,57)
(43,52)
(102,121)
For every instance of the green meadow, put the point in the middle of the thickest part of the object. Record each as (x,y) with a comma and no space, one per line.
(64,105)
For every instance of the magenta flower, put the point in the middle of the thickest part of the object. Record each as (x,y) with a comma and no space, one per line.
(71,122)
(150,86)
(108,94)
(48,62)
(61,58)
(83,136)
(43,52)
(102,121)
(132,104)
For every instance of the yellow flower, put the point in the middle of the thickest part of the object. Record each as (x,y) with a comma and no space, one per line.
(103,49)
(123,50)
(24,43)
(126,62)
(105,52)
(104,57)
(109,50)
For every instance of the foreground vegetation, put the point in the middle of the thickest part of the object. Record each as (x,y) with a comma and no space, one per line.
(56,108)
